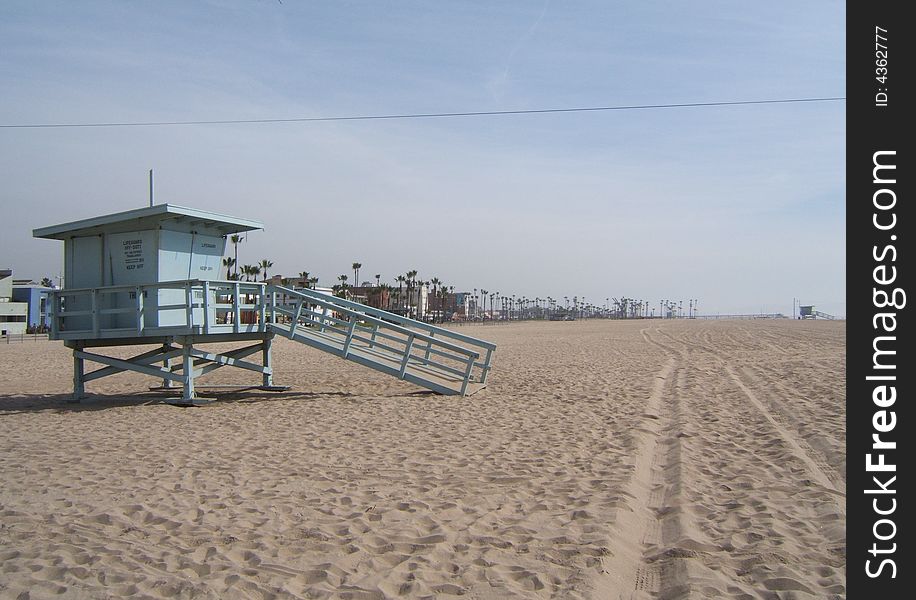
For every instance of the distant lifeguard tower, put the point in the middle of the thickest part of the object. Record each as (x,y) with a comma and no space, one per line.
(808,312)
(152,276)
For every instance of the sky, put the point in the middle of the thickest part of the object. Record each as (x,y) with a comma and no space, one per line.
(740,207)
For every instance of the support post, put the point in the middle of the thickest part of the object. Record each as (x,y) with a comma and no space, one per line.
(78,386)
(267,378)
(188,373)
(167,363)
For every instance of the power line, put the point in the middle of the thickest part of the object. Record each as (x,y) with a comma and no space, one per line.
(481,113)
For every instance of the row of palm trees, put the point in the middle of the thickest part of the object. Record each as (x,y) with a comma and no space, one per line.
(249,272)
(500,306)
(487,304)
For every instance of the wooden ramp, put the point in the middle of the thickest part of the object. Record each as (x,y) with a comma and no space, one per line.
(435,358)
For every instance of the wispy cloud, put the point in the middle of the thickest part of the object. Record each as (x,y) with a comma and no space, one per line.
(499,86)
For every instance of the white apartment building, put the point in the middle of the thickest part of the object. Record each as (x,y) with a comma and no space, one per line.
(14,316)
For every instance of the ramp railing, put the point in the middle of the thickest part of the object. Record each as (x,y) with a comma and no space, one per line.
(433,357)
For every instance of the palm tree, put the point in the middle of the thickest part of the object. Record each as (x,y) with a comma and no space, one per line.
(400,279)
(378,280)
(343,280)
(483,297)
(312,282)
(411,282)
(265,264)
(236,239)
(228,262)
(304,278)
(440,301)
(382,287)
(255,271)
(356,267)
(435,281)
(46,282)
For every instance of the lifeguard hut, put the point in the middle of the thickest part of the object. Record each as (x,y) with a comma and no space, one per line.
(152,276)
(808,312)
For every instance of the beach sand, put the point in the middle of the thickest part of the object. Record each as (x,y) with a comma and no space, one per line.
(606,459)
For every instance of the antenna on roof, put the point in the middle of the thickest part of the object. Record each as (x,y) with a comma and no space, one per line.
(151,188)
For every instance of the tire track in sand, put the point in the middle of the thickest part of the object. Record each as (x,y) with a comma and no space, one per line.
(673,539)
(629,575)
(818,474)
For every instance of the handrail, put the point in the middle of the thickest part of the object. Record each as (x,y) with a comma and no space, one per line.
(178,283)
(398,328)
(362,308)
(196,310)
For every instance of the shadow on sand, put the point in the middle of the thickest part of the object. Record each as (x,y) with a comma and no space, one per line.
(61,403)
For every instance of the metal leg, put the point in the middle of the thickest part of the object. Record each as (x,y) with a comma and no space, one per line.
(267,378)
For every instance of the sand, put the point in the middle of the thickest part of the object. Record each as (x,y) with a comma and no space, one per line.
(607,459)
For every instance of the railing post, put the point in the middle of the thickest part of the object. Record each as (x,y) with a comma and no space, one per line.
(374,332)
(55,310)
(139,305)
(467,374)
(94,303)
(350,330)
(486,366)
(237,311)
(324,314)
(429,344)
(406,359)
(189,309)
(295,321)
(262,309)
(206,307)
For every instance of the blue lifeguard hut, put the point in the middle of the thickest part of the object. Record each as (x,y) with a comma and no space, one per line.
(152,276)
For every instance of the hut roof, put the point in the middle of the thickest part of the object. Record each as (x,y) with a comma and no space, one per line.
(147,218)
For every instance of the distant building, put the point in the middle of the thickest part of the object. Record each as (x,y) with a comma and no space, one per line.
(413,302)
(13,315)
(370,295)
(36,297)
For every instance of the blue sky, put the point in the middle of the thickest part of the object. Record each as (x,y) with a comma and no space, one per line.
(742,207)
